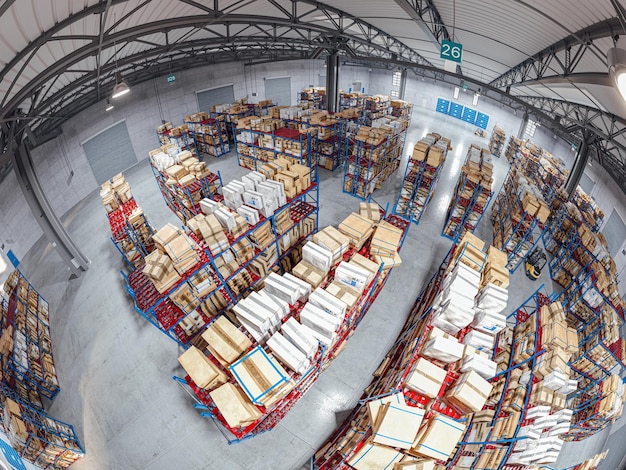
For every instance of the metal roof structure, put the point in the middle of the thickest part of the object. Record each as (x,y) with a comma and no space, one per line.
(60,56)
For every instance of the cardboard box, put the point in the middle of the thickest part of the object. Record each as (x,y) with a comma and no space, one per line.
(425,378)
(385,240)
(374,405)
(202,371)
(344,293)
(333,240)
(438,439)
(397,425)
(370,211)
(442,346)
(234,406)
(309,273)
(225,341)
(374,456)
(470,392)
(357,228)
(261,377)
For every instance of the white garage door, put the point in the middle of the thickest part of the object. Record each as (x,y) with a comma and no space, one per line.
(278,90)
(221,95)
(110,152)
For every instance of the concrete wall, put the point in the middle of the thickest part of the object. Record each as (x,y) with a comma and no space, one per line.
(67,178)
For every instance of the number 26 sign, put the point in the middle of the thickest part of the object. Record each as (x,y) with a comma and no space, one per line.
(451,51)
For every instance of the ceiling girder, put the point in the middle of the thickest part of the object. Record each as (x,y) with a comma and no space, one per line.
(557,59)
(609,130)
(338,32)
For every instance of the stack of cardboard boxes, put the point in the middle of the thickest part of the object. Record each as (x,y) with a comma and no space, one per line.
(472,193)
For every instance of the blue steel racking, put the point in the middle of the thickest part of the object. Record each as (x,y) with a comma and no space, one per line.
(368,165)
(316,96)
(210,137)
(184,201)
(45,441)
(270,418)
(131,236)
(516,230)
(183,140)
(527,311)
(512,151)
(29,362)
(418,187)
(251,153)
(159,309)
(469,202)
(355,430)
(496,142)
(330,143)
(351,100)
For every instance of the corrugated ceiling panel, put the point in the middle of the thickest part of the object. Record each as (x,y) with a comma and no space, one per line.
(516,25)
(577,14)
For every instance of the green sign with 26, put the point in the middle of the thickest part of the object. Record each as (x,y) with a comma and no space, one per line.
(451,51)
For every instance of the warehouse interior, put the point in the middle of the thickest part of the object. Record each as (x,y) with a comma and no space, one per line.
(538,73)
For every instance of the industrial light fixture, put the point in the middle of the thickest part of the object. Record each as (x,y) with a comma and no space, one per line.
(475,99)
(121,86)
(456,92)
(109,105)
(616,58)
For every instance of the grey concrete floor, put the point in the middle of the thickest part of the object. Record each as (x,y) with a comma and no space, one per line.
(115,369)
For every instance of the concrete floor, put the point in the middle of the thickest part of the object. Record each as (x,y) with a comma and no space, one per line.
(115,369)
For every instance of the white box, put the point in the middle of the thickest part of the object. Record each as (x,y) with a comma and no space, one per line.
(305,287)
(319,321)
(208,206)
(329,303)
(288,354)
(250,214)
(300,337)
(276,302)
(352,276)
(318,256)
(282,288)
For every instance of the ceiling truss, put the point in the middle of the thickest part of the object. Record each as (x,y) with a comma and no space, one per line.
(561,58)
(609,131)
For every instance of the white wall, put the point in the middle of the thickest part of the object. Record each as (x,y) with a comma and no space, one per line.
(141,111)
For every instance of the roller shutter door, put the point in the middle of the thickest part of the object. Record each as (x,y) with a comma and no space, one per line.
(110,152)
(278,90)
(221,95)
(614,231)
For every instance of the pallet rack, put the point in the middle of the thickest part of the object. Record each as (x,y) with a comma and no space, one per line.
(29,376)
(131,233)
(29,362)
(373,154)
(375,107)
(496,142)
(351,100)
(270,418)
(37,437)
(184,200)
(389,379)
(401,109)
(330,144)
(257,147)
(210,136)
(487,444)
(420,179)
(471,196)
(518,218)
(177,136)
(512,151)
(315,96)
(169,318)
(229,114)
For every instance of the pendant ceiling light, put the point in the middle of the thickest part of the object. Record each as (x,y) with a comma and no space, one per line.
(121,86)
(616,58)
(109,105)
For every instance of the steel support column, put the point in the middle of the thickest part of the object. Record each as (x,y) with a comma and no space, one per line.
(402,90)
(332,83)
(42,210)
(580,163)
(522,127)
